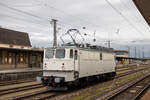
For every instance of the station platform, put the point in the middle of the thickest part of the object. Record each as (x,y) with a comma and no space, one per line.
(20,70)
(19,74)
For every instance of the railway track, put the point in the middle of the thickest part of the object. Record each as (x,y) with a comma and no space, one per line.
(39,95)
(131,72)
(16,82)
(47,94)
(142,92)
(44,94)
(131,66)
(19,89)
(103,89)
(130,91)
(128,66)
(119,69)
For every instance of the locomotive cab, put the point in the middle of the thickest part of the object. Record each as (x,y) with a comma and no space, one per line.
(59,66)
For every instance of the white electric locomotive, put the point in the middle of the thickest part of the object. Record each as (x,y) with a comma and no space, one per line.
(76,65)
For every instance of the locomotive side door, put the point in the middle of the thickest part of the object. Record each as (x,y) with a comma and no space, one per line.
(76,62)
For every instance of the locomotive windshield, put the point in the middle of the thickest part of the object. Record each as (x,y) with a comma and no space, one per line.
(49,53)
(60,53)
(54,53)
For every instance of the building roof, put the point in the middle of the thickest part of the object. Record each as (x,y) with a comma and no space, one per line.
(21,49)
(12,37)
(144,8)
(86,47)
(121,51)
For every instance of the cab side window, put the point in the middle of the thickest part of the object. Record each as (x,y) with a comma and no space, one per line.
(76,55)
(71,53)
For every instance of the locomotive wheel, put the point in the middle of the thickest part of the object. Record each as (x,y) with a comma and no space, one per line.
(83,82)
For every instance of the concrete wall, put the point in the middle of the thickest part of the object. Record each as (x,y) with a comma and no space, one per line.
(6,66)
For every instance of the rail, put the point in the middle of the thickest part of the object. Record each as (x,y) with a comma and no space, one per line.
(112,95)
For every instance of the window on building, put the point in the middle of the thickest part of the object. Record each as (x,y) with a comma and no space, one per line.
(0,57)
(26,58)
(9,58)
(5,57)
(76,55)
(13,58)
(21,59)
(33,59)
(101,56)
(18,58)
(71,53)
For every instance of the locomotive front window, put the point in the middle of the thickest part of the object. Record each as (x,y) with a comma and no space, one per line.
(49,53)
(60,53)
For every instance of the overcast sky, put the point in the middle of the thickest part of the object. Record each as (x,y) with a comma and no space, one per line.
(115,20)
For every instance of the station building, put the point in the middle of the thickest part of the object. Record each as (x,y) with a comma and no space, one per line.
(121,53)
(122,56)
(16,51)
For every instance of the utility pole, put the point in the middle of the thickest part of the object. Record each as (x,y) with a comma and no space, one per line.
(109,37)
(128,51)
(135,52)
(139,53)
(108,43)
(54,33)
(143,52)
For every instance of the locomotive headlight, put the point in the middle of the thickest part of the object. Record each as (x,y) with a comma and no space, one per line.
(63,67)
(45,66)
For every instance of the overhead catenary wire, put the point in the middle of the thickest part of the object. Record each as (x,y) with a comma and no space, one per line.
(125,18)
(32,22)
(74,17)
(22,19)
(35,15)
(69,14)
(38,17)
(132,15)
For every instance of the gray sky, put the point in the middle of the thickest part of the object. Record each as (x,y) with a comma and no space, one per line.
(121,22)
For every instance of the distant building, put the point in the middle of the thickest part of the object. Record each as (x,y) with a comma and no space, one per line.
(16,50)
(121,53)
(122,56)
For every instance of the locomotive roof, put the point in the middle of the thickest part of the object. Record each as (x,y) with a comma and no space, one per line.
(93,48)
